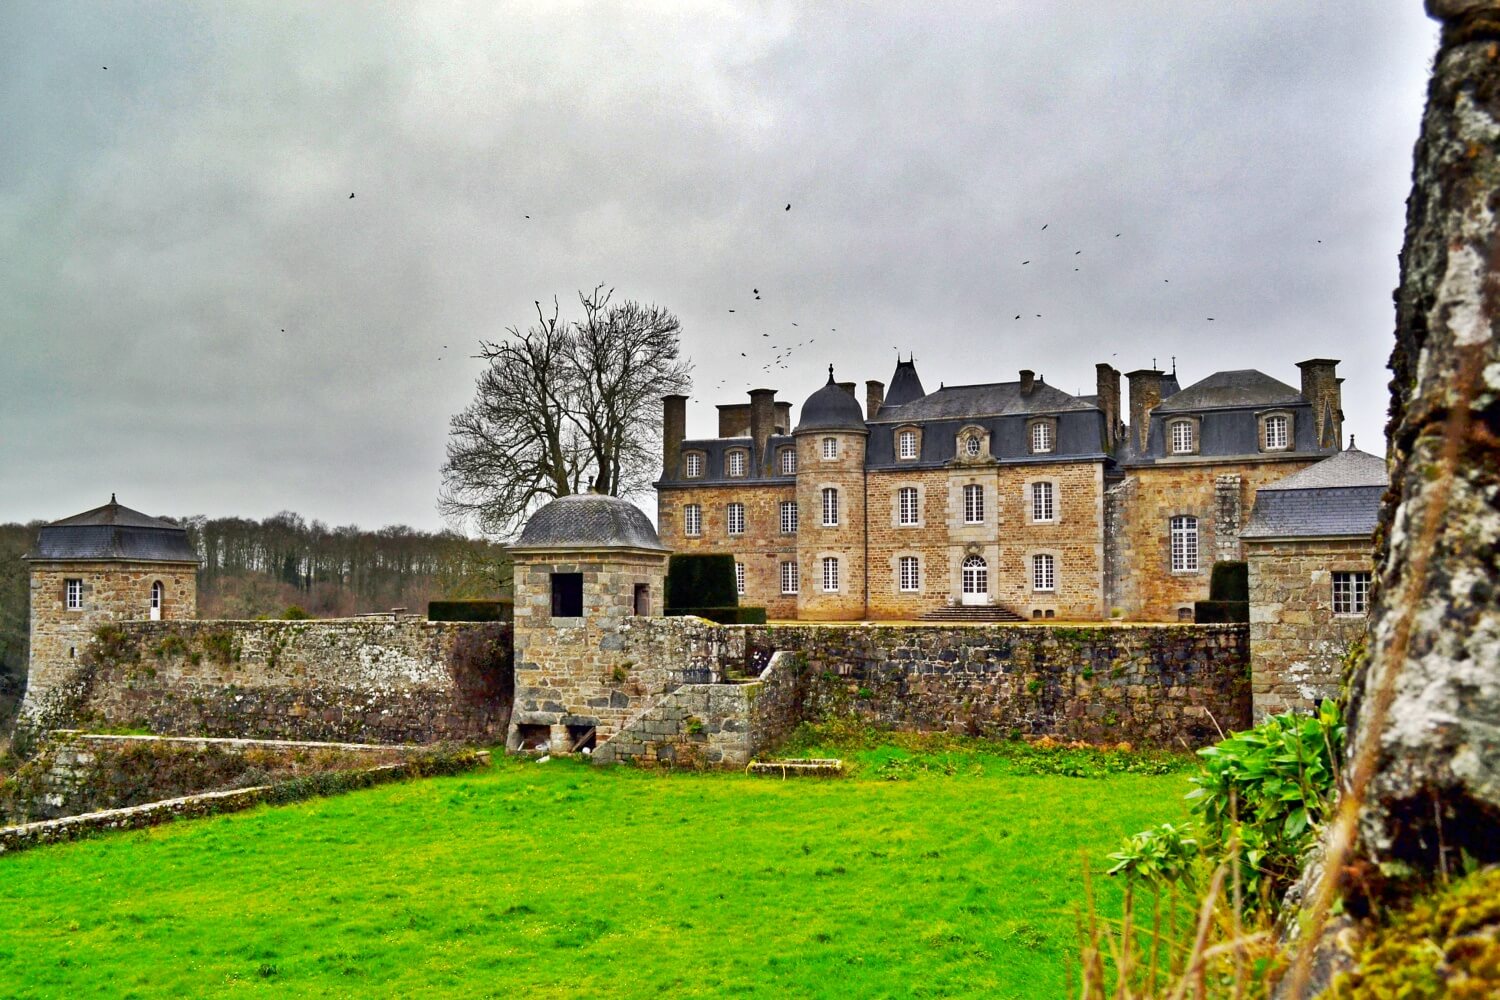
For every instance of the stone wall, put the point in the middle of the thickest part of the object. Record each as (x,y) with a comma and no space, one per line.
(376,680)
(697,725)
(1298,646)
(761,548)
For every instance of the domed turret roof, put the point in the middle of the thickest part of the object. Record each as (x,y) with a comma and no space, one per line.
(831,408)
(589,521)
(113,533)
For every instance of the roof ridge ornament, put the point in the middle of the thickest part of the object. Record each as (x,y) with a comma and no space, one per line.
(830,375)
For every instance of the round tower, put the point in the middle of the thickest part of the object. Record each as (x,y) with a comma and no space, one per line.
(105,565)
(831,438)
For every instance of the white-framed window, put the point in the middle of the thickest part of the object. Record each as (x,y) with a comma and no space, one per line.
(1184,533)
(789,578)
(788,517)
(1043,503)
(735,463)
(789,461)
(736,518)
(830,575)
(692,465)
(1182,437)
(976,575)
(739,579)
(972,444)
(830,507)
(73,594)
(1043,572)
(909,578)
(158,599)
(974,504)
(906,444)
(830,448)
(1041,437)
(906,505)
(1277,426)
(1351,593)
(692,519)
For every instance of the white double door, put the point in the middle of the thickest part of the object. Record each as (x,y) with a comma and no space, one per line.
(976,581)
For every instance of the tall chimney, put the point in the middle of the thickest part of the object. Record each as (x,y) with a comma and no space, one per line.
(1145,394)
(673,431)
(1107,385)
(874,398)
(850,388)
(1028,381)
(783,418)
(762,423)
(1320,387)
(734,420)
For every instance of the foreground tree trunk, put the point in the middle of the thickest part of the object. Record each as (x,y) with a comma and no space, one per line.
(1422,788)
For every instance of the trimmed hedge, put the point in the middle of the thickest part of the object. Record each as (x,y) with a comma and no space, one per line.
(1220,612)
(726,616)
(700,581)
(1230,581)
(470,611)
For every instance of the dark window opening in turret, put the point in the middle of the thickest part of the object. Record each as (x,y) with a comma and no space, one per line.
(643,599)
(567,595)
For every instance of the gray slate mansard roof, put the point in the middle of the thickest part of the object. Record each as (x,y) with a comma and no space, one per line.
(1243,387)
(831,409)
(1340,496)
(589,521)
(994,399)
(113,533)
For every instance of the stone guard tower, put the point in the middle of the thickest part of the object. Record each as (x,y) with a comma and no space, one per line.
(104,565)
(585,565)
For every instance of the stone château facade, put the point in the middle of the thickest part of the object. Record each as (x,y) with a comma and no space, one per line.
(1015,497)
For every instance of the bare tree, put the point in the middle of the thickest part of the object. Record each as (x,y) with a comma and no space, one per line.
(563,407)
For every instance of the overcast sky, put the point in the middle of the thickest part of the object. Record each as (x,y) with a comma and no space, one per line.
(162,221)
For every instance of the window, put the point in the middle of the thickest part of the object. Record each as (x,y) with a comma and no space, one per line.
(1042,508)
(788,461)
(972,445)
(692,519)
(567,595)
(788,517)
(692,465)
(909,579)
(1351,593)
(789,579)
(906,505)
(1041,437)
(976,577)
(830,448)
(74,591)
(974,504)
(830,508)
(906,444)
(830,575)
(736,518)
(1043,572)
(1276,432)
(739,579)
(1182,437)
(642,603)
(735,464)
(1184,532)
(158,595)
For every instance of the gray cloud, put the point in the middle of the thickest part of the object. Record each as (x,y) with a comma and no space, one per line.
(165,219)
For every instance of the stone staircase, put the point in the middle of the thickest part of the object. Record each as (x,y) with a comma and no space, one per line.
(972,613)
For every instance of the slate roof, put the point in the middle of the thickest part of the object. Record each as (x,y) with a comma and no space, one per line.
(994,399)
(113,533)
(1338,496)
(589,520)
(831,408)
(906,385)
(1243,387)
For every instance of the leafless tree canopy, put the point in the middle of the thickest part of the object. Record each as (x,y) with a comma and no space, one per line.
(560,407)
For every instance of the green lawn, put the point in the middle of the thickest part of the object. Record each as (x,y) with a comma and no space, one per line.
(558,880)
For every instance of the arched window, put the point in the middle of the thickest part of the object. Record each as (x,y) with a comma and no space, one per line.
(976,579)
(1184,533)
(1041,437)
(906,444)
(1276,432)
(1183,442)
(158,599)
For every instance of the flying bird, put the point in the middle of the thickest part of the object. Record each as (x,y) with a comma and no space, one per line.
(755,291)
(731,310)
(742,354)
(788,207)
(1210,319)
(1077,252)
(1018,315)
(1025,262)
(351,194)
(1046,224)
(1117,235)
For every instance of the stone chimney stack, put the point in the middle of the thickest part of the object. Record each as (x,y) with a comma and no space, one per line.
(851,389)
(673,431)
(762,422)
(874,398)
(783,418)
(1320,387)
(1145,394)
(1028,381)
(1107,385)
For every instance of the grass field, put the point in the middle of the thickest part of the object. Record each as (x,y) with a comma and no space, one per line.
(558,880)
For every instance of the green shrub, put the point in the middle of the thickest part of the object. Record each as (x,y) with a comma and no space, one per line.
(726,616)
(470,611)
(1261,800)
(1230,581)
(1220,612)
(295,613)
(704,580)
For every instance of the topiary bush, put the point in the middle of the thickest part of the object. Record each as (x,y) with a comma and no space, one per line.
(726,616)
(470,611)
(1230,581)
(701,580)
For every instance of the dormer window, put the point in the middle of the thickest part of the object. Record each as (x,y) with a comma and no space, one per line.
(1276,432)
(830,448)
(735,463)
(692,465)
(972,446)
(789,461)
(1042,437)
(906,444)
(1183,437)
